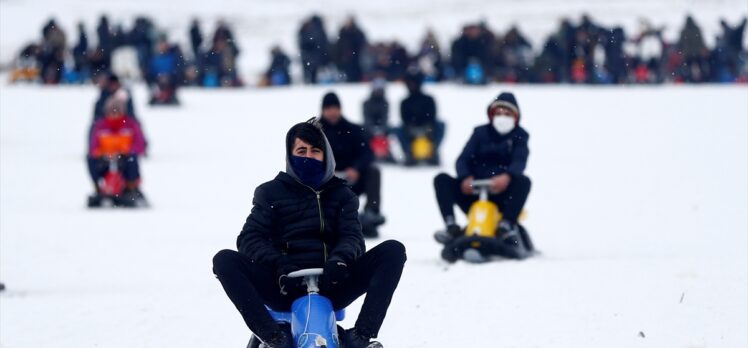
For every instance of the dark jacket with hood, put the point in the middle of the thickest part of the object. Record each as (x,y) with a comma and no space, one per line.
(489,153)
(294,223)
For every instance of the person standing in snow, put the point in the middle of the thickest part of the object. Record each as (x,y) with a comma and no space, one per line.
(308,218)
(497,151)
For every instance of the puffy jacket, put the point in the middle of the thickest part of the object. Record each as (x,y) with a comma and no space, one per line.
(350,145)
(125,128)
(306,226)
(376,112)
(489,153)
(418,110)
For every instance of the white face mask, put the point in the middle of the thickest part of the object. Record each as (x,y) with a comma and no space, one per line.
(503,124)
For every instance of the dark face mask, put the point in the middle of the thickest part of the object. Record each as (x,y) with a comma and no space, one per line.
(309,170)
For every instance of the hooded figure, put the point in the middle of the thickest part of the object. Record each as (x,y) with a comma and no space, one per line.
(307,170)
(503,113)
(307,218)
(496,151)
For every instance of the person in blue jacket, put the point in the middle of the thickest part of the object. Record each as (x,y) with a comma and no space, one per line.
(497,151)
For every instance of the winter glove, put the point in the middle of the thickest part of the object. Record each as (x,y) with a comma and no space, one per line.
(335,271)
(286,283)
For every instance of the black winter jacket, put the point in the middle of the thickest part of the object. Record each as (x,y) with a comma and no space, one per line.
(376,112)
(418,110)
(304,226)
(349,144)
(489,153)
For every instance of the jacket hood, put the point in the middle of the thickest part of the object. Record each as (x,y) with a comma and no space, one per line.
(329,158)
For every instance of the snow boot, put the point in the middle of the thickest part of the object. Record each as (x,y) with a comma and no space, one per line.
(132,198)
(509,235)
(369,217)
(445,236)
(280,340)
(95,200)
(370,220)
(353,339)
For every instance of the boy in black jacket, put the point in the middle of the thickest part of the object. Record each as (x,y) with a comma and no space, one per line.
(497,151)
(307,218)
(354,160)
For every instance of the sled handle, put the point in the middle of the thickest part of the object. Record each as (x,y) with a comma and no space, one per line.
(482,186)
(306,272)
(311,276)
(482,183)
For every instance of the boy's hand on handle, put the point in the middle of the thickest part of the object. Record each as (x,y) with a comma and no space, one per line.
(335,271)
(500,183)
(467,185)
(285,283)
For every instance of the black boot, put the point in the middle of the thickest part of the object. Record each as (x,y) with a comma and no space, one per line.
(280,340)
(371,217)
(447,235)
(95,200)
(353,339)
(132,198)
(510,237)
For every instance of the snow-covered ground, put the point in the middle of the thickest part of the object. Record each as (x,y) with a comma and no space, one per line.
(260,24)
(639,205)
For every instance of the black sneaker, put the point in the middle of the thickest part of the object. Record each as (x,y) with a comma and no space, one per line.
(95,200)
(447,235)
(353,339)
(132,198)
(510,237)
(372,218)
(280,340)
(509,233)
(450,253)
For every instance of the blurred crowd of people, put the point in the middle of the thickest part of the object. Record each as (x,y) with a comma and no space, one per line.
(587,52)
(584,53)
(143,51)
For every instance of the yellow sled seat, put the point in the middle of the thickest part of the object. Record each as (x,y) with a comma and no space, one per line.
(422,148)
(483,219)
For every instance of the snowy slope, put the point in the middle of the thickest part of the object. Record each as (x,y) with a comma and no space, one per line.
(639,205)
(260,24)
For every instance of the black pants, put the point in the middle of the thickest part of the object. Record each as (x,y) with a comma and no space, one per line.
(370,183)
(251,286)
(510,202)
(127,165)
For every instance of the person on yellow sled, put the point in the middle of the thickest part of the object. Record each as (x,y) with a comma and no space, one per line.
(496,151)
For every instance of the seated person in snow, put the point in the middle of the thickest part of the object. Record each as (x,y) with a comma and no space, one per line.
(376,121)
(418,113)
(278,74)
(120,128)
(354,158)
(377,109)
(497,151)
(282,234)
